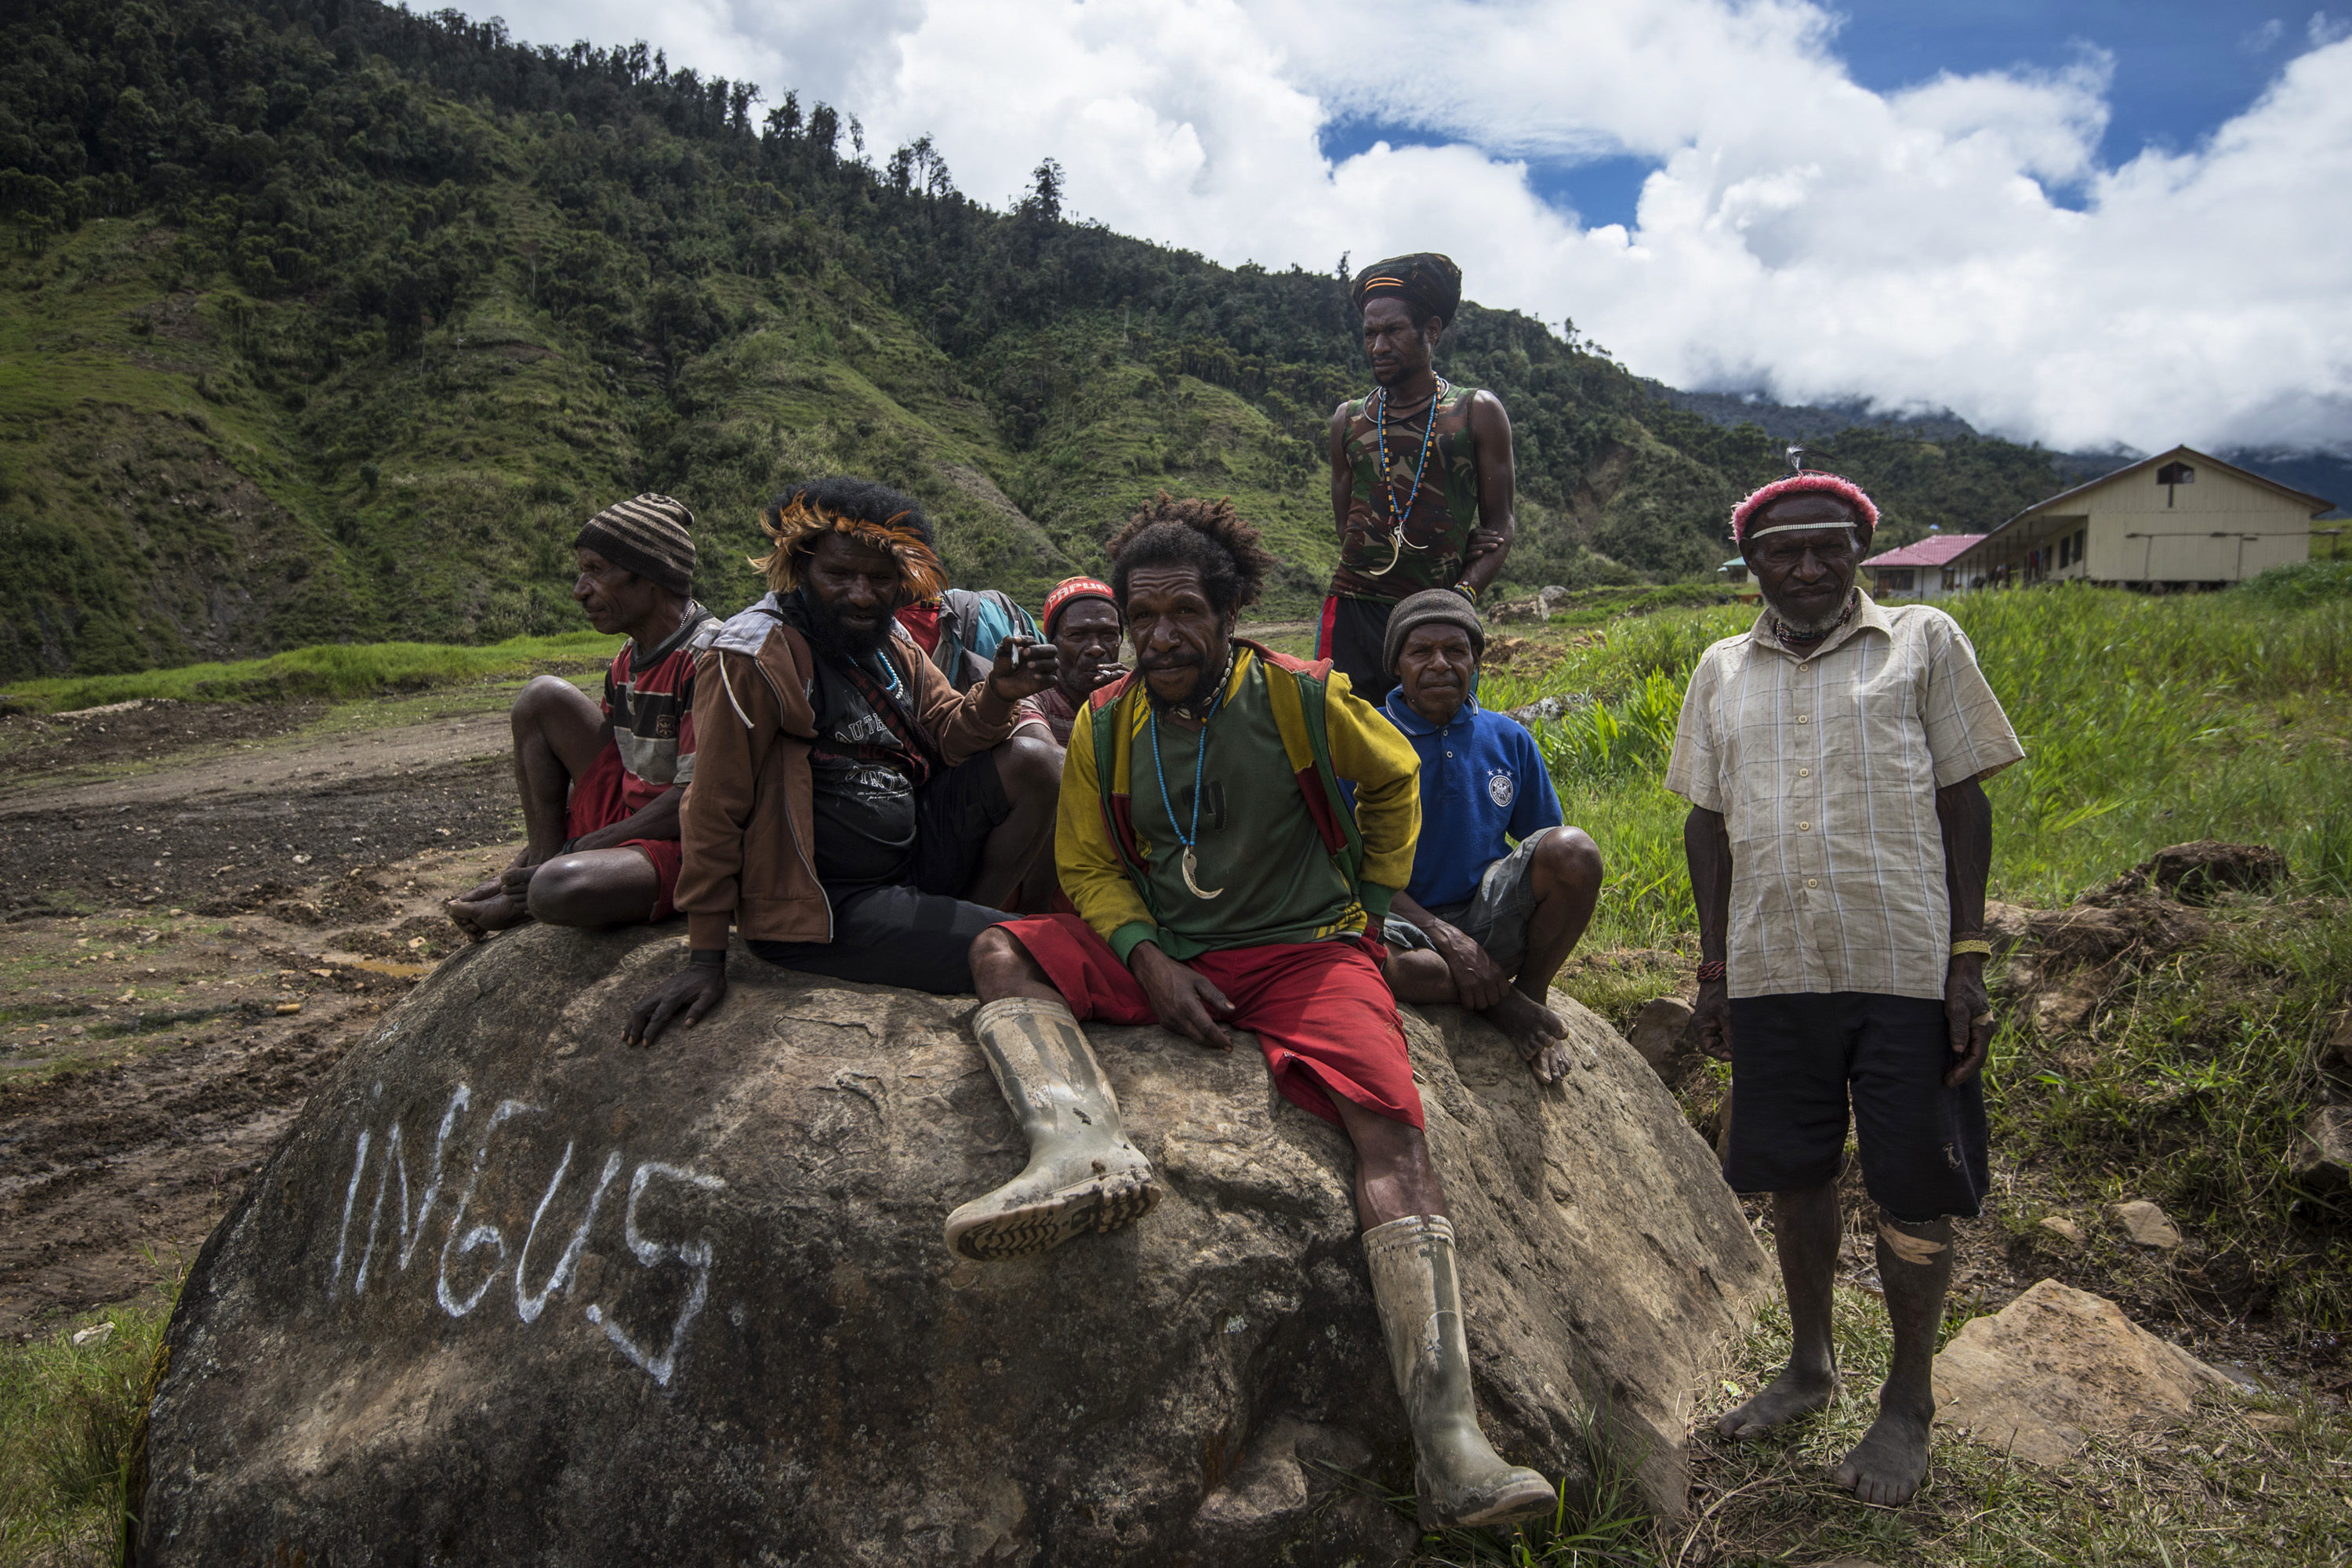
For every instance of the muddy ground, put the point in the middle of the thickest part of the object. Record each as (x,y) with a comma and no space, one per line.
(187,939)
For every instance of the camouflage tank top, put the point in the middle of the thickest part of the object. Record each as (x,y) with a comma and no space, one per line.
(1438,520)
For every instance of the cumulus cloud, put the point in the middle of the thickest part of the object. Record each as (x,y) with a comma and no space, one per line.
(1956,243)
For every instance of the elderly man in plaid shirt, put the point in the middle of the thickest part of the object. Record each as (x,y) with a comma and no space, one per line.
(1839,842)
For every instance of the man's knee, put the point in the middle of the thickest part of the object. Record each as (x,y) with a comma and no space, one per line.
(1029,766)
(574,889)
(541,699)
(1569,861)
(999,961)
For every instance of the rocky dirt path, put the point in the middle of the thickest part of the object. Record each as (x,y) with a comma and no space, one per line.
(187,940)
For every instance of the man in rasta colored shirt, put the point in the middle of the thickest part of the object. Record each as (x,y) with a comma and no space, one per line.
(1420,471)
(601,786)
(1222,882)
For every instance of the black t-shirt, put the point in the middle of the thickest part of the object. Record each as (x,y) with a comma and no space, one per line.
(863,796)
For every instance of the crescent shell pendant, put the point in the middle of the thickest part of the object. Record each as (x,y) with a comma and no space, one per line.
(1187,866)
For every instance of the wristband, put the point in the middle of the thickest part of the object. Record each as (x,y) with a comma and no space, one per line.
(1466,591)
(708,957)
(1975,944)
(1710,971)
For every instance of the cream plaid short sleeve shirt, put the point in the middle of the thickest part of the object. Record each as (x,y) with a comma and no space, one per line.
(1825,767)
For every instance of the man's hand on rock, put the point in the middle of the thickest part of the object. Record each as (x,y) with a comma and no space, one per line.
(1478,980)
(686,997)
(1023,668)
(1967,1013)
(1182,997)
(1712,1012)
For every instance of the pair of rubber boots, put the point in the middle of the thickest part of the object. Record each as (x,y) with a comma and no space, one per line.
(1084,1174)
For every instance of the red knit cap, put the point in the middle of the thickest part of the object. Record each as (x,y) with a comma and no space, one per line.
(1071,588)
(1845,490)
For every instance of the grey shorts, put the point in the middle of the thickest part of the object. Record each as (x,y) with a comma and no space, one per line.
(1495,917)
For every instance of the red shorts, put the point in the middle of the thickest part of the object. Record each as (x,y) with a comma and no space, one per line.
(1322,1011)
(598,801)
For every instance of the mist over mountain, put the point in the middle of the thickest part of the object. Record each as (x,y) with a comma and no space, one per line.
(329,321)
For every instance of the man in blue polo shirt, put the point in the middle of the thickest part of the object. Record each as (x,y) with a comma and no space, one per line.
(1484,923)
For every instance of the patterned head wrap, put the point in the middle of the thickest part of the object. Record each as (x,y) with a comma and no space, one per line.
(1070,589)
(652,536)
(1846,490)
(1424,278)
(796,520)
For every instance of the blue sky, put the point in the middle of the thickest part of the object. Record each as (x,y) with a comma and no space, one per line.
(2180,69)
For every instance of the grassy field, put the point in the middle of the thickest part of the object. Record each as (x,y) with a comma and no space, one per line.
(335,672)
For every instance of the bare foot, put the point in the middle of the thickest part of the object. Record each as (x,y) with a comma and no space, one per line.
(1530,1026)
(485,910)
(1792,1393)
(1887,1466)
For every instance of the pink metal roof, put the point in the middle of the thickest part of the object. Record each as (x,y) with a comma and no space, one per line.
(1933,551)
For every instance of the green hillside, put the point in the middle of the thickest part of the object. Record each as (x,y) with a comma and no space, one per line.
(326,321)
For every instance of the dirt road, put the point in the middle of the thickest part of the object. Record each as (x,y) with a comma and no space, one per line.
(187,939)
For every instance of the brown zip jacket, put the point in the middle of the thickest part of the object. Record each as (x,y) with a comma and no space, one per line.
(746,825)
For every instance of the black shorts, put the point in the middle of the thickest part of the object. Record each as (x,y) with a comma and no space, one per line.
(1350,637)
(917,934)
(1796,1062)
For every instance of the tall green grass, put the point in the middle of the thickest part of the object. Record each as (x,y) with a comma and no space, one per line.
(2146,721)
(333,672)
(68,1415)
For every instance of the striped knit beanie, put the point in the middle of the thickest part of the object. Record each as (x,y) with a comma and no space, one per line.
(652,536)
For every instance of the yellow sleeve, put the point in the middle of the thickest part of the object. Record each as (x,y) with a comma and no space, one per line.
(1374,755)
(1092,874)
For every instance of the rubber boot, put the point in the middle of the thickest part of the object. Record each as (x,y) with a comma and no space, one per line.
(1461,1481)
(1083,1174)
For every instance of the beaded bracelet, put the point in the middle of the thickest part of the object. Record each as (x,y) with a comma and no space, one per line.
(1975,944)
(1712,969)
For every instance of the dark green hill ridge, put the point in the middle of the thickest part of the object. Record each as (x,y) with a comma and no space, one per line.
(326,321)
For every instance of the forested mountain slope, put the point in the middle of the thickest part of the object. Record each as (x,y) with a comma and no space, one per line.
(326,321)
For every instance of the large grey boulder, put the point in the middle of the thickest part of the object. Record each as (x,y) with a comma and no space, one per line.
(512,1292)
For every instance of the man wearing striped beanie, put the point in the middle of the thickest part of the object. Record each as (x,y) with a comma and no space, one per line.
(1082,620)
(601,784)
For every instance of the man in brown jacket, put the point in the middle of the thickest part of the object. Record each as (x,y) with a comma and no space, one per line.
(853,813)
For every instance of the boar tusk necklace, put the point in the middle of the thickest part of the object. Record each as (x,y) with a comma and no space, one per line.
(1187,866)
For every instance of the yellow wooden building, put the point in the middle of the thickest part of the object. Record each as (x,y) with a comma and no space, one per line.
(2179,520)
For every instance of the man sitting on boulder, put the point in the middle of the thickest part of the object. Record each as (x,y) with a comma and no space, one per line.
(1222,882)
(854,814)
(1481,923)
(1839,838)
(601,786)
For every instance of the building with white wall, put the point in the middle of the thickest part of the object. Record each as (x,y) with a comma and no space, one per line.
(2179,520)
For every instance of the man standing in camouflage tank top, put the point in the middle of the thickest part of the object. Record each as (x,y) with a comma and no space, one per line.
(1420,471)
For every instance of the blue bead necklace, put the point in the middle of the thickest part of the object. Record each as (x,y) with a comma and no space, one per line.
(1388,479)
(1189,865)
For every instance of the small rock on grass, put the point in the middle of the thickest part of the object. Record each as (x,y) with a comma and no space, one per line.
(1660,1032)
(2147,1224)
(2064,1229)
(2054,1367)
(2323,1159)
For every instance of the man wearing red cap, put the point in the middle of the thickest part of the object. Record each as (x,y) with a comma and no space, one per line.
(1081,620)
(1421,473)
(1839,841)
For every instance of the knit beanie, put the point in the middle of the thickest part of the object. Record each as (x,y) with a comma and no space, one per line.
(652,536)
(1070,589)
(1431,607)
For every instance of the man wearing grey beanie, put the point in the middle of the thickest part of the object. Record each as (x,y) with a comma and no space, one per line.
(1501,887)
(601,784)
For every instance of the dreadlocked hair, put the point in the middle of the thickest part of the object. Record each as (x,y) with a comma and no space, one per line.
(1207,535)
(870,513)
